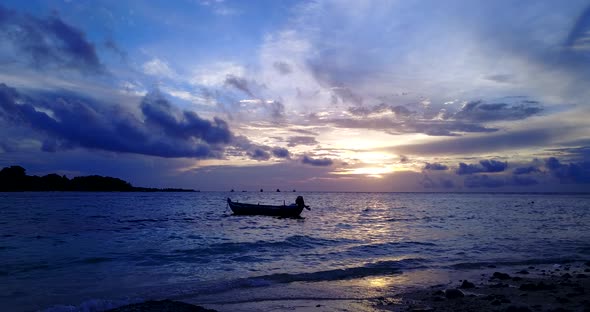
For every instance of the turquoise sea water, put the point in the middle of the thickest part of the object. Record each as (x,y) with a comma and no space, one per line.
(76,251)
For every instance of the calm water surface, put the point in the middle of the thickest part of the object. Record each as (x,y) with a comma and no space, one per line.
(93,250)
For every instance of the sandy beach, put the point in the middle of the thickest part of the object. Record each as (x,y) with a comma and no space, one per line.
(555,288)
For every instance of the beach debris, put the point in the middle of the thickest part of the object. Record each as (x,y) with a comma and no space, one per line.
(501,276)
(536,287)
(518,309)
(454,294)
(562,300)
(467,285)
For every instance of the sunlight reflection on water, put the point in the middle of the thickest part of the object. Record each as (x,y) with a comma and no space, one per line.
(73,245)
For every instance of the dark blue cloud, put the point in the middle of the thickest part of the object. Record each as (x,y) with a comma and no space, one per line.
(323,162)
(160,114)
(484,166)
(259,154)
(280,152)
(569,173)
(525,170)
(65,121)
(47,42)
(468,169)
(493,165)
(485,181)
(435,166)
(478,111)
(580,30)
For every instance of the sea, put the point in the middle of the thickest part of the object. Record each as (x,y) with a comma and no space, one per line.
(69,251)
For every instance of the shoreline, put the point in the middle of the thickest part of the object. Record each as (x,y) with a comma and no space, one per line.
(522,288)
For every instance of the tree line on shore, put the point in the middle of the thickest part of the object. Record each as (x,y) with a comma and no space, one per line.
(15,179)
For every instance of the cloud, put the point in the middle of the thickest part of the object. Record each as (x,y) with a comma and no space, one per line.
(504,141)
(215,74)
(435,166)
(282,67)
(66,121)
(429,183)
(499,78)
(319,162)
(47,43)
(276,109)
(238,83)
(114,47)
(468,169)
(579,36)
(280,152)
(523,181)
(485,166)
(160,114)
(483,181)
(569,173)
(301,140)
(159,68)
(398,110)
(478,111)
(393,126)
(259,154)
(346,95)
(493,165)
(525,170)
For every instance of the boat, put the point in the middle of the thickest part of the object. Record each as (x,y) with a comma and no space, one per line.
(293,210)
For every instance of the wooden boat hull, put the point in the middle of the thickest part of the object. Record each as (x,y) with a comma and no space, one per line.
(265,210)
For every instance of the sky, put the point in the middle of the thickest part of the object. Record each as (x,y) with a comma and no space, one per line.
(378,96)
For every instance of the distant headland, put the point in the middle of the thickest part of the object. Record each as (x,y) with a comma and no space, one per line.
(15,179)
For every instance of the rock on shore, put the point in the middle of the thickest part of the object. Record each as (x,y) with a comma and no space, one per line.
(161,306)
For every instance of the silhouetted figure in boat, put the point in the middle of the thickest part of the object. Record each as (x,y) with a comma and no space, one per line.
(261,190)
(278,190)
(300,203)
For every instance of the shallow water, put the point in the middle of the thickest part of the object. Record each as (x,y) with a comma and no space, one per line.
(96,250)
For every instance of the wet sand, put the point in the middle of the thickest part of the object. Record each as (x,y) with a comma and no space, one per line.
(512,289)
